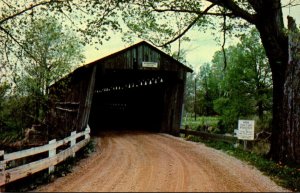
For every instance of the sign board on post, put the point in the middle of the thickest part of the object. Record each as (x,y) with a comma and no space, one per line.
(246,130)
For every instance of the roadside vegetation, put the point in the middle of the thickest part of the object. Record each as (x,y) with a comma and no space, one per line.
(284,175)
(202,123)
(50,53)
(217,96)
(240,90)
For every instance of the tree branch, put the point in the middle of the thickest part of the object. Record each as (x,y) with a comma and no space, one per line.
(175,10)
(9,5)
(235,9)
(291,4)
(172,9)
(15,40)
(231,15)
(28,9)
(190,11)
(224,40)
(189,26)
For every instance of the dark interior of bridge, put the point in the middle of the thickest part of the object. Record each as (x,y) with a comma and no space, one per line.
(129,100)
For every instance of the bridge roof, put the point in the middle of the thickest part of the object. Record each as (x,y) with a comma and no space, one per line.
(123,59)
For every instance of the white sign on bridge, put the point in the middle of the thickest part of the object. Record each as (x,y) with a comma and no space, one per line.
(246,130)
(150,64)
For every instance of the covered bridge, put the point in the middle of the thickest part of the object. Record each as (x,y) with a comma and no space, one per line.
(139,88)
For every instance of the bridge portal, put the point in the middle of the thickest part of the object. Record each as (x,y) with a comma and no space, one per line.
(138,88)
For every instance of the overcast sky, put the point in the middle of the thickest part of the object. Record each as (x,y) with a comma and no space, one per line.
(199,50)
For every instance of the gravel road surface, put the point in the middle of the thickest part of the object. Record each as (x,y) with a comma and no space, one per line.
(140,161)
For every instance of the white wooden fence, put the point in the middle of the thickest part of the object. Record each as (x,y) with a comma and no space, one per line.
(22,171)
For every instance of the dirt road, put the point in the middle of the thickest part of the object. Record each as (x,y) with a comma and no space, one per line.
(158,162)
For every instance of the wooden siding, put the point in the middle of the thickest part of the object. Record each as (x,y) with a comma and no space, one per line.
(71,102)
(133,58)
(115,75)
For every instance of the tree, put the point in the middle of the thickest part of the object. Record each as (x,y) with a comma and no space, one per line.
(51,52)
(251,55)
(3,91)
(266,16)
(189,93)
(246,84)
(208,90)
(90,19)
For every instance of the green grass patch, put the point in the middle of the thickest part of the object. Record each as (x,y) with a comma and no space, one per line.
(11,135)
(283,175)
(8,137)
(200,121)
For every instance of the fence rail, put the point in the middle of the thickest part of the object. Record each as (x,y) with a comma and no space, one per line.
(10,175)
(205,135)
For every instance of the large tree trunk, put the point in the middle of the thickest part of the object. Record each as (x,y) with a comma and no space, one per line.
(291,101)
(286,104)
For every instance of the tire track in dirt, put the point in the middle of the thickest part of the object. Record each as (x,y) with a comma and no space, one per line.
(141,161)
(175,165)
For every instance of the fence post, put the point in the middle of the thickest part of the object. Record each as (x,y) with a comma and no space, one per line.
(2,164)
(87,132)
(52,153)
(185,132)
(2,169)
(73,141)
(245,145)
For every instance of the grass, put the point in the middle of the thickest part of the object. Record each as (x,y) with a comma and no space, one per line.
(10,135)
(285,176)
(200,122)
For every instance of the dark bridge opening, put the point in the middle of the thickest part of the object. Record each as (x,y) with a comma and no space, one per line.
(130,100)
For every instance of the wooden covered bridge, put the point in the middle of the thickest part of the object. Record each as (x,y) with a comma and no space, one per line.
(139,87)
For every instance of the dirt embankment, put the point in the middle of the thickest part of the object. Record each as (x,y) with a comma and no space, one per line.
(158,162)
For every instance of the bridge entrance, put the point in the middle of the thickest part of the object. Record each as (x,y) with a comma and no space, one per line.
(128,100)
(138,88)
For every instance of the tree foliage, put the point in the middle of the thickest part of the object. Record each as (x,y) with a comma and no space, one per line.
(52,52)
(91,20)
(49,52)
(241,90)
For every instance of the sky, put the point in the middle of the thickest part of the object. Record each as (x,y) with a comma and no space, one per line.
(200,49)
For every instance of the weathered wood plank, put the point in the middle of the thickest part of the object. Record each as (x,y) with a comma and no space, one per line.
(41,149)
(27,152)
(33,167)
(73,141)
(206,135)
(2,164)
(87,132)
(67,110)
(67,103)
(51,153)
